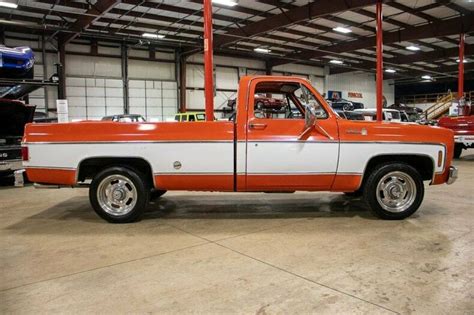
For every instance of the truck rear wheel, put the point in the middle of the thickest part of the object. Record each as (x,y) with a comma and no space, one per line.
(394,191)
(119,195)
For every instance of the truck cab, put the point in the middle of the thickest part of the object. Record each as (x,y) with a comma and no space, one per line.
(302,145)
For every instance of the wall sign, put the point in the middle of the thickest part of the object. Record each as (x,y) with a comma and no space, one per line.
(334,95)
(355,94)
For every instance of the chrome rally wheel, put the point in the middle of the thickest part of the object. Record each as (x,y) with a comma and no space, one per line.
(117,195)
(396,192)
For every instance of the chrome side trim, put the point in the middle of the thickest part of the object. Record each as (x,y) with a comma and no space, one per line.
(123,142)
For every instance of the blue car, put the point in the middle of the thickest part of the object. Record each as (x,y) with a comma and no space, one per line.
(16,62)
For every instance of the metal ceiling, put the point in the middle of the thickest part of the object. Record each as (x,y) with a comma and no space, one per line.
(294,30)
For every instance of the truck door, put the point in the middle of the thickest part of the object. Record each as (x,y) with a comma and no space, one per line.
(281,156)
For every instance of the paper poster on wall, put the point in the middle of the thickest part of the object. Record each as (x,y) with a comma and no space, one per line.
(62,111)
(334,95)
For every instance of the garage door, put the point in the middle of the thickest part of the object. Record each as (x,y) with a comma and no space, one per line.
(154,100)
(94,98)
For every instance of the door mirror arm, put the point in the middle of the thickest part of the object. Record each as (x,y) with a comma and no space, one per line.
(311,122)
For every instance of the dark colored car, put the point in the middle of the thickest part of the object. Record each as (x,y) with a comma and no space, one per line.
(14,115)
(16,62)
(350,115)
(42,117)
(125,118)
(344,104)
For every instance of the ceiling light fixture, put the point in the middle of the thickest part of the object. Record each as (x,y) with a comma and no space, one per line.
(153,35)
(341,29)
(228,3)
(413,48)
(8,4)
(426,77)
(336,62)
(463,61)
(390,70)
(262,50)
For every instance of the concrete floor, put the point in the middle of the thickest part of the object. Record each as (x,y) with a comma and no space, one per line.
(238,253)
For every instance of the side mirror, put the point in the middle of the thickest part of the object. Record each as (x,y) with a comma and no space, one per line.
(309,116)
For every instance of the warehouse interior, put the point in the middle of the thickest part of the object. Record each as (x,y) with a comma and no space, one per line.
(257,251)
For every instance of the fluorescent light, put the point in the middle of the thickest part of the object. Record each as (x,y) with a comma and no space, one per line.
(337,62)
(341,29)
(463,61)
(228,3)
(390,70)
(153,35)
(426,77)
(8,4)
(413,48)
(262,50)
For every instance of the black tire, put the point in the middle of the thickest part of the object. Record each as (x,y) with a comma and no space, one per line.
(155,194)
(378,174)
(354,194)
(139,188)
(458,150)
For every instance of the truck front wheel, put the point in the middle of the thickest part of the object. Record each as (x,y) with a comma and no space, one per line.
(119,195)
(394,191)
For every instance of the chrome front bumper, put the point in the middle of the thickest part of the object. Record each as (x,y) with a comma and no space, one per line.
(453,175)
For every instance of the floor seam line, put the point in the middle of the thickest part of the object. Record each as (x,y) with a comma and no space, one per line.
(103,267)
(287,271)
(307,279)
(235,236)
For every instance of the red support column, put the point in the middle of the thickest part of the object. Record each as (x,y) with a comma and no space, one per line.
(208,62)
(379,76)
(461,67)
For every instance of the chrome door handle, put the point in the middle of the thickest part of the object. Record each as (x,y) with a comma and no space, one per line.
(257,126)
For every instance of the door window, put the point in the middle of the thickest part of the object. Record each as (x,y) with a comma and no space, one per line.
(284,100)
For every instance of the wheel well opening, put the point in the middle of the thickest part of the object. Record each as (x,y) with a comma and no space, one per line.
(90,167)
(422,163)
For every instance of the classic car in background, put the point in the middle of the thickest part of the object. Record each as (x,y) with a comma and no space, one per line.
(463,127)
(388,114)
(125,118)
(349,115)
(190,116)
(16,62)
(415,114)
(262,102)
(344,104)
(14,115)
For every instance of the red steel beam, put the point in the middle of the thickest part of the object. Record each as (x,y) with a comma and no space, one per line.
(208,62)
(379,35)
(461,67)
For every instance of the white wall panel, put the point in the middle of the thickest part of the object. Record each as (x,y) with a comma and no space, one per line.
(139,69)
(227,78)
(93,98)
(155,100)
(93,66)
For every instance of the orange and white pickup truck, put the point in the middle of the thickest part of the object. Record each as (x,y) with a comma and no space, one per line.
(260,150)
